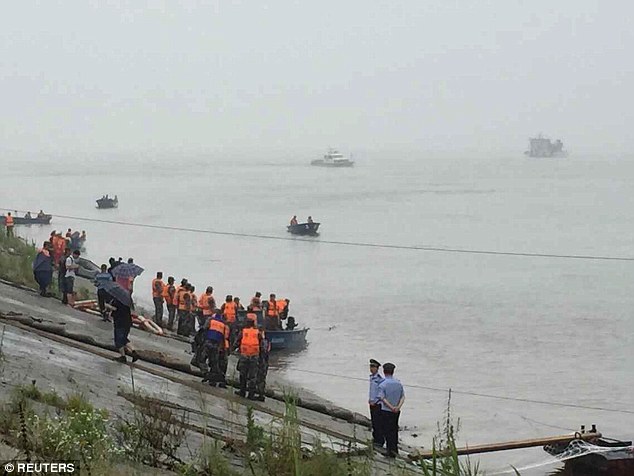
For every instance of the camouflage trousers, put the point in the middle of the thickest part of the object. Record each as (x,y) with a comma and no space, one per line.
(248,368)
(263,369)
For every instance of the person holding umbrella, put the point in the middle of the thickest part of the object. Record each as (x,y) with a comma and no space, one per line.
(120,304)
(125,273)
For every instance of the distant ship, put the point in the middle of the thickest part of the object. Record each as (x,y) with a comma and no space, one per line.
(543,147)
(333,159)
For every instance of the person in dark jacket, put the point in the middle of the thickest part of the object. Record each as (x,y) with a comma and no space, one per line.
(122,318)
(61,275)
(43,268)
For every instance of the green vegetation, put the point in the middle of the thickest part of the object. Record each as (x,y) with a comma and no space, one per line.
(16,260)
(445,461)
(155,436)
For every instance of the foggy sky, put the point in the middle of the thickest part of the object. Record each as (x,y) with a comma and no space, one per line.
(95,77)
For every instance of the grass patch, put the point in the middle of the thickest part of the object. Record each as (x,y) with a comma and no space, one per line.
(16,260)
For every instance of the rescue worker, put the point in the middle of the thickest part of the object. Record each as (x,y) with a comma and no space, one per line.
(294,220)
(158,287)
(195,310)
(9,224)
(256,302)
(272,314)
(282,309)
(263,366)
(184,308)
(248,344)
(207,304)
(223,358)
(214,343)
(230,311)
(169,294)
(239,306)
(378,438)
(310,220)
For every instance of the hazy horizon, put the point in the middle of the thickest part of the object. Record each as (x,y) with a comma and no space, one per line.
(211,78)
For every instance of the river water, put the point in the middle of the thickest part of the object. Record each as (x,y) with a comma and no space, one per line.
(525,328)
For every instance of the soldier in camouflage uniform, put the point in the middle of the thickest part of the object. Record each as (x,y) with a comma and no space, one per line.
(263,366)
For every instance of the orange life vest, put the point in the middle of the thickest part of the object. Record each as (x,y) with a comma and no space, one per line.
(177,295)
(281,305)
(158,286)
(203,303)
(193,302)
(8,221)
(219,327)
(227,337)
(250,342)
(230,311)
(272,309)
(184,300)
(169,292)
(256,304)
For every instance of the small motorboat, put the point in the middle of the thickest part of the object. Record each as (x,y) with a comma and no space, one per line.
(36,220)
(304,229)
(281,339)
(108,202)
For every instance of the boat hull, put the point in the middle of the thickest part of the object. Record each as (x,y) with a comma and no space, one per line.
(322,163)
(107,203)
(45,220)
(306,229)
(281,339)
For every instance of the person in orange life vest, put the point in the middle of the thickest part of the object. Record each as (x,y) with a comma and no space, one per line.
(195,311)
(294,220)
(207,305)
(256,302)
(230,311)
(214,344)
(184,311)
(272,314)
(169,294)
(9,223)
(239,306)
(158,288)
(225,351)
(248,344)
(263,366)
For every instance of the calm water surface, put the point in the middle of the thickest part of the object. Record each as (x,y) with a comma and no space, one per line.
(528,328)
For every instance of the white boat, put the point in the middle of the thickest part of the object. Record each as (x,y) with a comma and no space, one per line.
(333,159)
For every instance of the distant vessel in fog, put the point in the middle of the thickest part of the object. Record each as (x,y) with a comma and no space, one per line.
(543,147)
(333,159)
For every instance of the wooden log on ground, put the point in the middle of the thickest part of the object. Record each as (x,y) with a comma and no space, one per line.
(508,445)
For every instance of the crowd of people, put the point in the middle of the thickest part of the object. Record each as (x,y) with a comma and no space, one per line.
(218,330)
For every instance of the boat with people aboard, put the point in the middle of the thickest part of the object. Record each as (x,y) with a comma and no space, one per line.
(333,159)
(309,228)
(108,202)
(289,338)
(39,219)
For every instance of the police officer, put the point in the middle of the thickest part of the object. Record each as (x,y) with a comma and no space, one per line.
(263,366)
(378,437)
(391,398)
(249,345)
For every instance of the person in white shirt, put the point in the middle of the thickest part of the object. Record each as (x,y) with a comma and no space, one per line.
(69,278)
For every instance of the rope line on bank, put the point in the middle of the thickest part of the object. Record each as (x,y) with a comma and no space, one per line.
(478,394)
(347,243)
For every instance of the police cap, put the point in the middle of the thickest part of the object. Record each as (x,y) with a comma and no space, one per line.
(374,363)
